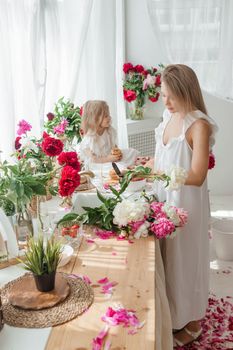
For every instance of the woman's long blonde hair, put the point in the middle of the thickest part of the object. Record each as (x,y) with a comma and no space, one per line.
(183,84)
(93,114)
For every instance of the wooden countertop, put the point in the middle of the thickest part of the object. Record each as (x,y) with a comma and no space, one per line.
(132,266)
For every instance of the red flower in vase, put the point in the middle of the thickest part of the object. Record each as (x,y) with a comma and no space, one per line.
(52,147)
(70,180)
(69,158)
(130,95)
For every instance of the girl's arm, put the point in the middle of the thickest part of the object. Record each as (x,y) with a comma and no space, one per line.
(198,138)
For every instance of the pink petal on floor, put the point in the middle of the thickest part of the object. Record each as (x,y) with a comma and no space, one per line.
(98,341)
(107,345)
(103,280)
(114,253)
(90,240)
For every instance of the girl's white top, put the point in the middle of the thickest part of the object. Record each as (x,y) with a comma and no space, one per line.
(101,146)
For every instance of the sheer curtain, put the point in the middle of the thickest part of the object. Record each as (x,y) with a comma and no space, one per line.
(102,61)
(21,66)
(198,33)
(54,48)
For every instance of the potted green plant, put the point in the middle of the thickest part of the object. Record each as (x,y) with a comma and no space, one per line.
(42,259)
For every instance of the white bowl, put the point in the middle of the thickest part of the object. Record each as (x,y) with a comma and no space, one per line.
(222,230)
(135,186)
(67,253)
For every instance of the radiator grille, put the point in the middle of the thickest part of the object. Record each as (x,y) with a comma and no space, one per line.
(144,142)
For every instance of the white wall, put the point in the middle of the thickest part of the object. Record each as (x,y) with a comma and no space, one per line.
(143,48)
(221,177)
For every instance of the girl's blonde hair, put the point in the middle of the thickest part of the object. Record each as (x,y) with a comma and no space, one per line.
(183,83)
(93,114)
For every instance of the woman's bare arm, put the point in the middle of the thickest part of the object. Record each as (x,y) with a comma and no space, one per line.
(198,138)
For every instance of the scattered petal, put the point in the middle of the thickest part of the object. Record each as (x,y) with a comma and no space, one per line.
(103,280)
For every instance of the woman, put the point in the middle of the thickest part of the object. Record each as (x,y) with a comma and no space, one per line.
(184,139)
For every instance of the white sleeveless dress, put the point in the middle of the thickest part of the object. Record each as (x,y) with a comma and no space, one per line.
(186,256)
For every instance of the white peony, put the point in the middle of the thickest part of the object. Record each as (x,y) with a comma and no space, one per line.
(28,145)
(178,176)
(172,214)
(128,211)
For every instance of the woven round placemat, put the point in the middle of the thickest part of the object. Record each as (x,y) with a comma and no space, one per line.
(80,298)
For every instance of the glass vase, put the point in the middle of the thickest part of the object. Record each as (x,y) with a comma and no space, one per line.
(136,112)
(23,226)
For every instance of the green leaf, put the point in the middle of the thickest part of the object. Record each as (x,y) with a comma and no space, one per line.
(67,218)
(101,198)
(19,188)
(38,189)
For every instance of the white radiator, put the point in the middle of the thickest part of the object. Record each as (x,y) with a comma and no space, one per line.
(144,142)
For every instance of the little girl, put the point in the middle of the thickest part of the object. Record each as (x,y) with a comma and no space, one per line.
(99,142)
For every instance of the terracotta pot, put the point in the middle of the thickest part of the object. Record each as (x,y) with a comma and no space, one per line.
(45,282)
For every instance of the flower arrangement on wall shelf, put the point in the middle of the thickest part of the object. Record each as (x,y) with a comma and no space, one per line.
(134,218)
(140,84)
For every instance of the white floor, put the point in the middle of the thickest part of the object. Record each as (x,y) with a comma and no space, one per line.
(221,272)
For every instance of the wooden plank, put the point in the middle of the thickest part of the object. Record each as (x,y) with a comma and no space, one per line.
(10,262)
(132,266)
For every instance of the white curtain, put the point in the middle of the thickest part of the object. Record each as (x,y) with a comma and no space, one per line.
(198,33)
(102,61)
(21,66)
(54,48)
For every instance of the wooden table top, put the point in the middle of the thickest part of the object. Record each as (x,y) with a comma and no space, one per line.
(132,266)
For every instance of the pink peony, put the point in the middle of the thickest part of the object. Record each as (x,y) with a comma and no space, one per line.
(183,215)
(23,127)
(162,227)
(157,209)
(136,225)
(61,128)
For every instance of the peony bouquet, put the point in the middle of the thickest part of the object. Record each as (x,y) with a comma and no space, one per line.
(134,218)
(140,83)
(65,122)
(139,218)
(46,156)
